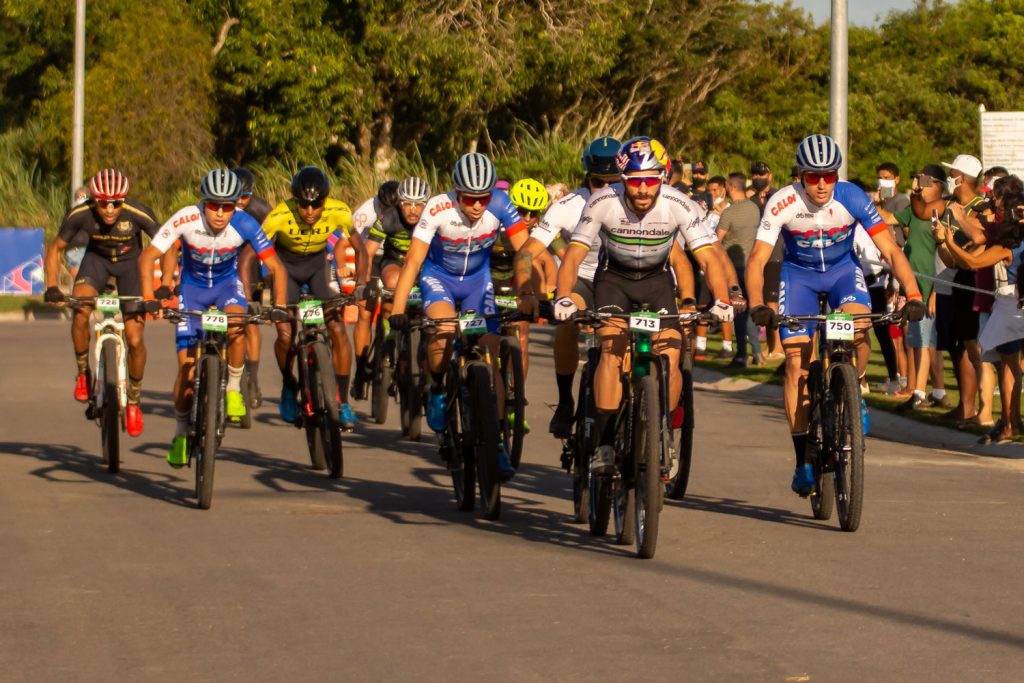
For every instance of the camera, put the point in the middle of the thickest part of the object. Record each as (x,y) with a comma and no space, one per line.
(925,180)
(886,192)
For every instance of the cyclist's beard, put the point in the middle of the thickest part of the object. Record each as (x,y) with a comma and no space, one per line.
(643,202)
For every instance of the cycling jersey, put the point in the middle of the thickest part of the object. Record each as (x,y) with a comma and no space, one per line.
(561,219)
(462,248)
(391,231)
(814,236)
(635,246)
(366,215)
(118,242)
(258,208)
(208,259)
(286,229)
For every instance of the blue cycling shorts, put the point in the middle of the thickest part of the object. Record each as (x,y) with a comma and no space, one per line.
(799,288)
(470,292)
(228,292)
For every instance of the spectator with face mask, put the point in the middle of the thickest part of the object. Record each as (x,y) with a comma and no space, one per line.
(737,231)
(719,195)
(760,192)
(699,187)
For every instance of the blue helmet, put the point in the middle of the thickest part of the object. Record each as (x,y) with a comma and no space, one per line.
(818,153)
(642,154)
(599,156)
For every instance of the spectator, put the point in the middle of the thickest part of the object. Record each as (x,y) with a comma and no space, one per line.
(679,176)
(719,195)
(794,175)
(737,230)
(920,251)
(888,198)
(760,193)
(699,187)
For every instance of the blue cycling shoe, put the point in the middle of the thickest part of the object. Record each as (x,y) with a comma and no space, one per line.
(803,481)
(504,464)
(289,406)
(347,417)
(437,411)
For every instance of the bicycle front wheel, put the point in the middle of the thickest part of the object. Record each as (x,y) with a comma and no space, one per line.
(110,422)
(463,457)
(485,437)
(849,446)
(647,439)
(209,398)
(818,447)
(511,360)
(326,410)
(381,379)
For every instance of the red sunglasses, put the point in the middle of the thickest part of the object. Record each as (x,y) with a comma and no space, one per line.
(830,177)
(114,203)
(648,180)
(226,207)
(471,200)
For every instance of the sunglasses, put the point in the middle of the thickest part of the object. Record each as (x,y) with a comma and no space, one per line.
(830,177)
(309,203)
(472,200)
(411,205)
(639,181)
(226,207)
(527,213)
(112,203)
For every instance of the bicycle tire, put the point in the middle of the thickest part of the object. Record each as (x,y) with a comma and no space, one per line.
(208,396)
(818,445)
(381,383)
(680,479)
(623,510)
(647,446)
(849,460)
(410,389)
(110,417)
(463,465)
(310,425)
(485,437)
(246,384)
(510,353)
(582,423)
(326,406)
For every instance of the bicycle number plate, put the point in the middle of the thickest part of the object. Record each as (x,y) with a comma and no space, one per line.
(839,327)
(415,297)
(644,321)
(506,303)
(472,324)
(108,304)
(215,321)
(311,312)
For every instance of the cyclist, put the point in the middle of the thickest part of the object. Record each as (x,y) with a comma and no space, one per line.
(258,208)
(211,235)
(561,219)
(453,243)
(114,226)
(816,218)
(300,227)
(638,222)
(393,232)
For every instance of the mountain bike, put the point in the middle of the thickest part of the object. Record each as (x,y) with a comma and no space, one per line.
(209,388)
(109,373)
(469,442)
(679,477)
(510,361)
(381,361)
(835,431)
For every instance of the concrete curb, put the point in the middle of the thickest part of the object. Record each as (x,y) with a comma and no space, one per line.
(884,425)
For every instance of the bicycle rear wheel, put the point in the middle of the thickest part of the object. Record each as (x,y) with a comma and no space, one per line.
(247,391)
(208,396)
(511,360)
(680,476)
(622,486)
(818,447)
(410,390)
(110,422)
(485,437)
(381,379)
(849,446)
(581,444)
(310,423)
(326,410)
(647,439)
(463,457)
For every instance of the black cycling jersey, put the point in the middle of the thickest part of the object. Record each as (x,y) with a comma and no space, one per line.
(118,242)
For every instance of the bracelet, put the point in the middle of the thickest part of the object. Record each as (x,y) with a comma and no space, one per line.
(688,301)
(915,297)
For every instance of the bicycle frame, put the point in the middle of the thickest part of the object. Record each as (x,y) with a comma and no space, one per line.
(109,326)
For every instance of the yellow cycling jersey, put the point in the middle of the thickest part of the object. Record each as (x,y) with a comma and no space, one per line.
(286,229)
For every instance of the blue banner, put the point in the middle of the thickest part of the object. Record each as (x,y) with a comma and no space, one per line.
(21,261)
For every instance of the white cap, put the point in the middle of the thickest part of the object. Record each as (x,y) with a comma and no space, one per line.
(966,164)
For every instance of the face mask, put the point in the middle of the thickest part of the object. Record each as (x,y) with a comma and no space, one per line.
(951,184)
(886,183)
(759,184)
(719,200)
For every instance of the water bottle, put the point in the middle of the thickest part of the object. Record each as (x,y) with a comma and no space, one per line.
(865,417)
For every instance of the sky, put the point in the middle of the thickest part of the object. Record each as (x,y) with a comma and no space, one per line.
(862,12)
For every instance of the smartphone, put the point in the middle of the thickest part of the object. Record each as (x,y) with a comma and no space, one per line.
(886,192)
(925,180)
(935,217)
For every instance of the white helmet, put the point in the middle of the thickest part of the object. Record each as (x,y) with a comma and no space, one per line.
(818,153)
(413,189)
(220,184)
(474,173)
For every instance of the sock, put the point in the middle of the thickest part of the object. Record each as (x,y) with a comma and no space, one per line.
(289,380)
(82,361)
(919,394)
(253,366)
(180,423)
(726,344)
(800,448)
(605,425)
(361,361)
(234,379)
(702,343)
(903,381)
(342,388)
(939,394)
(565,388)
(134,389)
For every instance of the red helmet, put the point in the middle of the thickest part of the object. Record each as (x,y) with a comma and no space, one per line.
(109,184)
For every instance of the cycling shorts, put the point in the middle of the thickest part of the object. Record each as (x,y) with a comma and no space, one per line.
(799,287)
(96,271)
(463,292)
(228,292)
(658,291)
(311,270)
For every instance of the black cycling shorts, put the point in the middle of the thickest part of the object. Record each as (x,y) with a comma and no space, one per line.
(658,291)
(310,270)
(97,270)
(585,288)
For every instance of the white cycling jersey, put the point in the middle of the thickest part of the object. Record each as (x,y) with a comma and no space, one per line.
(562,217)
(365,216)
(635,246)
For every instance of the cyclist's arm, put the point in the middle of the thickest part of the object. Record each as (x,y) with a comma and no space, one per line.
(531,249)
(362,262)
(410,270)
(758,259)
(548,272)
(683,270)
(991,256)
(895,257)
(245,267)
(570,268)
(372,247)
(279,275)
(715,272)
(53,252)
(146,259)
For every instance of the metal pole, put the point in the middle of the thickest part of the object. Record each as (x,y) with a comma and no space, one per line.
(838,88)
(78,123)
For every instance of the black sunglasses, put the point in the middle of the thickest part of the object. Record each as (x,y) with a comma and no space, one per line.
(309,203)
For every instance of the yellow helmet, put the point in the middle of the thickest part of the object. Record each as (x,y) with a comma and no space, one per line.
(529,195)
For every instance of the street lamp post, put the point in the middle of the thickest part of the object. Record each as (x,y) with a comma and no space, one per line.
(78,121)
(838,83)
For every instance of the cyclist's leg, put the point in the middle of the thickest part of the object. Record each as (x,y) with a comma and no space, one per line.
(567,359)
(231,299)
(254,333)
(848,292)
(389,272)
(129,284)
(798,295)
(92,277)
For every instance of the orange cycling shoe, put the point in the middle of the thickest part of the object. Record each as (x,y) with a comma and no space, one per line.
(82,388)
(133,419)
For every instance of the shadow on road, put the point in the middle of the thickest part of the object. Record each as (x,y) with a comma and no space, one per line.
(741,508)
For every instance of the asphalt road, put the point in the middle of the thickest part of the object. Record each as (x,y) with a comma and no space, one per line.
(377,577)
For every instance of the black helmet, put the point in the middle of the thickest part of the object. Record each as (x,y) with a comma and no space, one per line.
(387,194)
(310,184)
(245,177)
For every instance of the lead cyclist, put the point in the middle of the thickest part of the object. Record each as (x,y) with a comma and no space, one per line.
(817,217)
